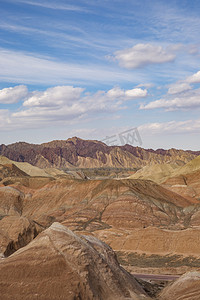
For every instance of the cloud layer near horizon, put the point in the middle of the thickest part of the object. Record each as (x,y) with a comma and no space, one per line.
(61,104)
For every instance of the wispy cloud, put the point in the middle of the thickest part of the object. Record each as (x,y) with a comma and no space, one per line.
(179,87)
(54,5)
(52,35)
(171,127)
(30,68)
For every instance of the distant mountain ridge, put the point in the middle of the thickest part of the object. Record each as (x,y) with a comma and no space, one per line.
(76,152)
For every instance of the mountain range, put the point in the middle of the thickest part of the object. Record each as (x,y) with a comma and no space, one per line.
(75,152)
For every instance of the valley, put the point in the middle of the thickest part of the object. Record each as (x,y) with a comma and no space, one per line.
(53,218)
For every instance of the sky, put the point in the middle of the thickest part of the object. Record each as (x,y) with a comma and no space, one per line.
(97,69)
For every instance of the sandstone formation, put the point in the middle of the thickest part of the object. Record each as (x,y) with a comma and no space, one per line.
(80,153)
(60,265)
(11,201)
(185,181)
(160,172)
(10,170)
(187,287)
(16,232)
(156,172)
(154,240)
(132,216)
(25,168)
(99,204)
(181,180)
(190,167)
(12,173)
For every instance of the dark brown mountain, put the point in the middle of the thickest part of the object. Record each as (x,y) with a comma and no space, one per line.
(76,152)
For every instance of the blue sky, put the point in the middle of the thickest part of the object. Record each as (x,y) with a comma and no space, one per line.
(97,68)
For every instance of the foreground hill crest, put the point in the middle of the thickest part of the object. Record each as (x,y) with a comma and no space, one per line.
(58,264)
(76,152)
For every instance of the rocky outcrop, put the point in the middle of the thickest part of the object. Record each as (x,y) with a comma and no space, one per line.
(60,265)
(80,153)
(11,201)
(16,232)
(187,287)
(10,170)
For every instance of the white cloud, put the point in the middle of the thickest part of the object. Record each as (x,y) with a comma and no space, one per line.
(195,78)
(188,100)
(181,95)
(55,96)
(143,54)
(135,93)
(179,87)
(13,94)
(116,92)
(68,104)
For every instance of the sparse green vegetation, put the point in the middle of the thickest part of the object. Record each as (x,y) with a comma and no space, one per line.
(104,172)
(157,261)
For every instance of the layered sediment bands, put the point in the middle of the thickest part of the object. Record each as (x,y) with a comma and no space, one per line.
(60,265)
(94,205)
(186,185)
(130,215)
(31,182)
(153,240)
